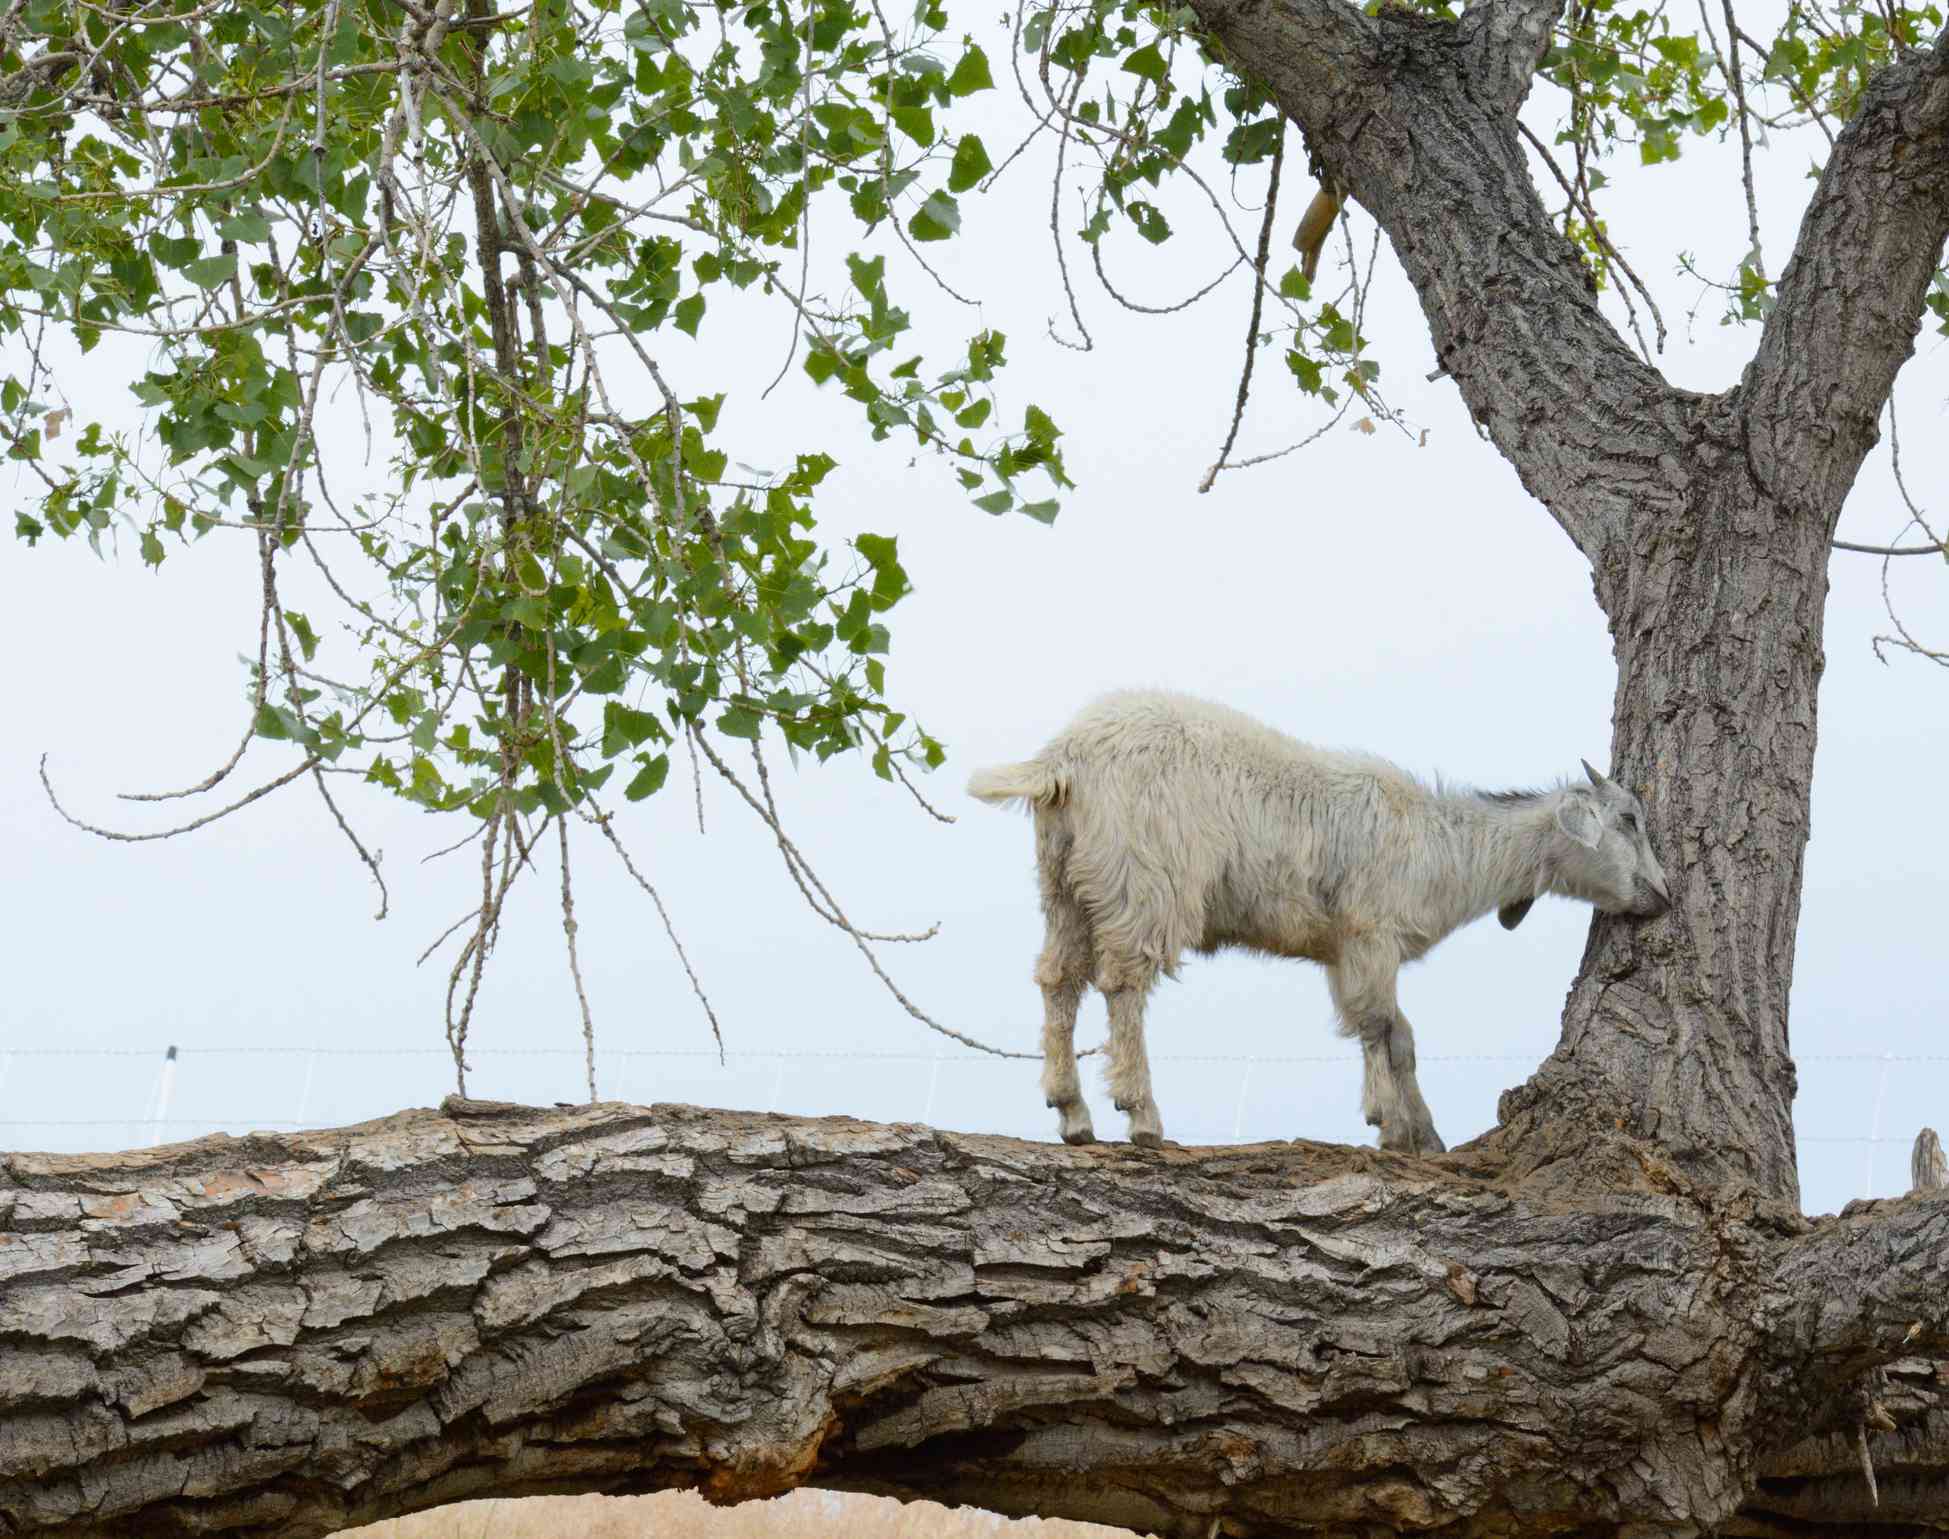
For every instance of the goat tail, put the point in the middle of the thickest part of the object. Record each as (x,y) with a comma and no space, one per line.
(1034,784)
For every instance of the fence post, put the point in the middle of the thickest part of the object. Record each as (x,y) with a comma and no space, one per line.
(933,1084)
(1874,1123)
(1238,1111)
(304,1095)
(165,1089)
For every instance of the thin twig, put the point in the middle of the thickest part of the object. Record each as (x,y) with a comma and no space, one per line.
(1737,79)
(371,860)
(1597,233)
(574,962)
(602,820)
(1258,299)
(808,882)
(1892,550)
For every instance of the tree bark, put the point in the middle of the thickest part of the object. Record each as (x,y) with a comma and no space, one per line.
(1927,1168)
(1706,520)
(282,1336)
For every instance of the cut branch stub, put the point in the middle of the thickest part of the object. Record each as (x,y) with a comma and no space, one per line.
(284,1336)
(1928,1170)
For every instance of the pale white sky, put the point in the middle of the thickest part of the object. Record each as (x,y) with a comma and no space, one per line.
(1366,592)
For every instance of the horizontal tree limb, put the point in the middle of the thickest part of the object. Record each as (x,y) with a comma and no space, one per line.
(283,1336)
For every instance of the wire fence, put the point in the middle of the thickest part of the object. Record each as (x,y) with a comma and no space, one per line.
(156,1116)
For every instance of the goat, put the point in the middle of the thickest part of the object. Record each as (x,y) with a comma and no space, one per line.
(1166,824)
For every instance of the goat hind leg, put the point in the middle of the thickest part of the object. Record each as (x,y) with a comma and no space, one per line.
(1124,991)
(1063,972)
(1062,995)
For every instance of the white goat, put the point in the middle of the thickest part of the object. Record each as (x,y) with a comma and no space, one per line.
(1165,824)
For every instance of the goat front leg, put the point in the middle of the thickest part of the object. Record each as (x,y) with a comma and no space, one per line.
(1421,1136)
(1124,990)
(1363,986)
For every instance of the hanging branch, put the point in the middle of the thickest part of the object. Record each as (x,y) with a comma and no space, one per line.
(1252,326)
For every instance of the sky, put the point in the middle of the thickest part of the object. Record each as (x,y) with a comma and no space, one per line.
(1372,591)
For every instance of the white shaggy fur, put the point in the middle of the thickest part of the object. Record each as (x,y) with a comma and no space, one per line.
(1166,824)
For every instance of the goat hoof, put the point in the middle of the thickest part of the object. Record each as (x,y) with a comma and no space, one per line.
(1145,1139)
(1079,1136)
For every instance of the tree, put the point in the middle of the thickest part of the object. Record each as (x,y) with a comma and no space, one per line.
(482,216)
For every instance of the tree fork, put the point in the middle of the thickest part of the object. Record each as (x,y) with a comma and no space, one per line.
(280,1336)
(1706,520)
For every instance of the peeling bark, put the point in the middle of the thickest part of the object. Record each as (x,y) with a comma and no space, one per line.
(283,1336)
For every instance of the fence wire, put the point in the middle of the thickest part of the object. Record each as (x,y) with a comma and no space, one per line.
(157,1115)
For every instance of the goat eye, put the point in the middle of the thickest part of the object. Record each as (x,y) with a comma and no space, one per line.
(1630,821)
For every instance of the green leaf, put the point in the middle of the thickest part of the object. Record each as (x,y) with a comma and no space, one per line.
(649,779)
(624,728)
(937,219)
(529,612)
(739,721)
(1147,62)
(247,225)
(705,409)
(301,628)
(209,272)
(916,122)
(971,164)
(689,311)
(1250,143)
(971,74)
(1150,223)
(1305,370)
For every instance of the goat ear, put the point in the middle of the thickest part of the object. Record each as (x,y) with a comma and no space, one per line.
(1511,914)
(1578,819)
(1595,779)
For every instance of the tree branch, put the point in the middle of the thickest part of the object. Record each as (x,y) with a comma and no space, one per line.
(1868,1287)
(1416,119)
(284,1336)
(1507,39)
(1851,297)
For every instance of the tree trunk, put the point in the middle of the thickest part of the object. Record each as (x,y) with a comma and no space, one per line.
(1706,520)
(1676,1031)
(282,1336)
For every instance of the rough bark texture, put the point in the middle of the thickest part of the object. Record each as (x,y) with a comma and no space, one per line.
(283,1336)
(1927,1167)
